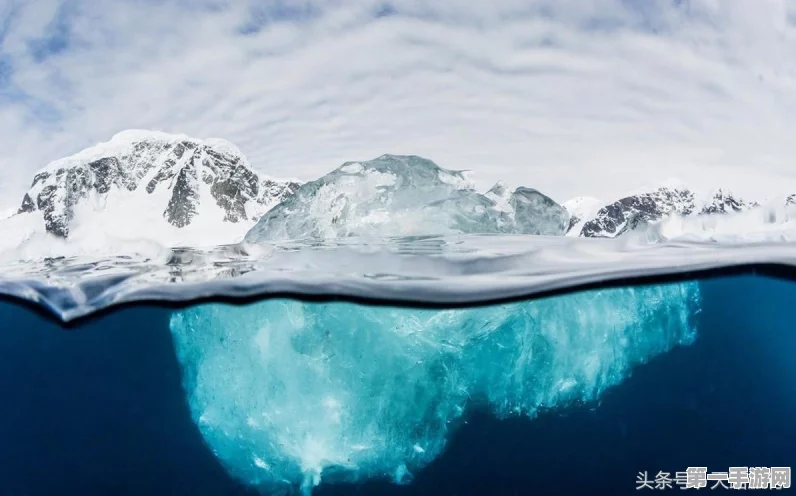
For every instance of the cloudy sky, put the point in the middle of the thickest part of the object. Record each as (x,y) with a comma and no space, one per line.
(569,96)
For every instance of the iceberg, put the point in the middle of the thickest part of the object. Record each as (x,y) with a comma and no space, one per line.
(396,195)
(289,394)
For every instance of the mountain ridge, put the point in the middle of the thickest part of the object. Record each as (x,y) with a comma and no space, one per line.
(207,185)
(630,212)
(176,171)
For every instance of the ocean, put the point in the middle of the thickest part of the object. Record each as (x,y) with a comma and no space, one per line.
(106,406)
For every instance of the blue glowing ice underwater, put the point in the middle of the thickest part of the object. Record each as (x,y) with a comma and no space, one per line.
(288,392)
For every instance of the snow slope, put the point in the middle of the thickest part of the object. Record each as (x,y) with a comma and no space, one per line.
(174,189)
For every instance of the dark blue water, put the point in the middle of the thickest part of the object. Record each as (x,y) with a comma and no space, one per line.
(99,409)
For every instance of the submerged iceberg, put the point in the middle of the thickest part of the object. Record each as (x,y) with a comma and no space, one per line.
(288,393)
(397,195)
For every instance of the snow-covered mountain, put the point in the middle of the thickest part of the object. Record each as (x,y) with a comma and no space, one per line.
(160,177)
(177,190)
(581,209)
(635,210)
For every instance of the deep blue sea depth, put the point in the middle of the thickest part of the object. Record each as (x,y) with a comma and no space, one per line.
(99,410)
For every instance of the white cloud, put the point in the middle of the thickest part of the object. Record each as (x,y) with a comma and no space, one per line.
(571,97)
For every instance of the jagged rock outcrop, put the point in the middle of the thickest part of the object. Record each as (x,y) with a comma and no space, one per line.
(178,171)
(628,213)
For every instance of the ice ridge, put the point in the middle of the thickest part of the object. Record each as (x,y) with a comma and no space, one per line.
(404,195)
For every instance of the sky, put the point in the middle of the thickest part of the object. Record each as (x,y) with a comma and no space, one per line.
(572,97)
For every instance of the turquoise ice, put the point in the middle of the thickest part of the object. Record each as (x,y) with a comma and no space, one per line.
(288,394)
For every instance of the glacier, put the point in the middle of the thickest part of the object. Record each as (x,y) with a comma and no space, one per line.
(404,195)
(290,394)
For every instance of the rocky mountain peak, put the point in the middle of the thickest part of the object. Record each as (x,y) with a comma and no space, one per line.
(724,201)
(179,173)
(629,212)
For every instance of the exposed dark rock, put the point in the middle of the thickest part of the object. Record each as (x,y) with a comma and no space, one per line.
(627,213)
(182,205)
(573,221)
(724,202)
(630,212)
(27,205)
(154,162)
